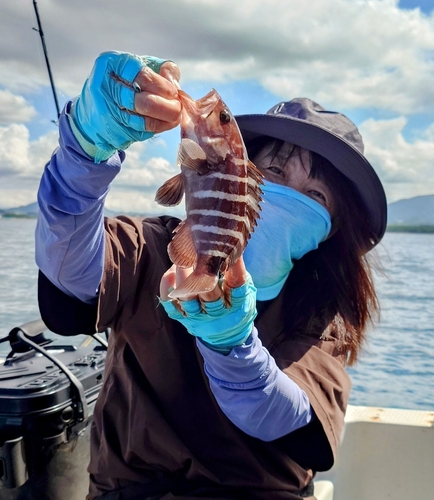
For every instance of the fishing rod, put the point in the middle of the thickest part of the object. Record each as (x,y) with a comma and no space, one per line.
(44,47)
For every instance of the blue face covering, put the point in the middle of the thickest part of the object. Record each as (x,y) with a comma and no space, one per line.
(291,225)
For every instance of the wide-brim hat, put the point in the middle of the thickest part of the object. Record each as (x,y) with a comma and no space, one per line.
(332,135)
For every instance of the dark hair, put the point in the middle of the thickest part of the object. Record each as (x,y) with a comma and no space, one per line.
(330,291)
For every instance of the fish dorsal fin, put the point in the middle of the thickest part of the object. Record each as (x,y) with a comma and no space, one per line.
(171,192)
(254,183)
(191,155)
(235,254)
(181,249)
(254,173)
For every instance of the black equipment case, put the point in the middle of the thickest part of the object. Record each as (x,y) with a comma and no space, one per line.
(48,390)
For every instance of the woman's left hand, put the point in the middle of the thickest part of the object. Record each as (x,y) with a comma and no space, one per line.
(209,318)
(234,278)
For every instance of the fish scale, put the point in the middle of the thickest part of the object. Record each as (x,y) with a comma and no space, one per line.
(222,194)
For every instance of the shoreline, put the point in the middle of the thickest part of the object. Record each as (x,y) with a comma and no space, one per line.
(395,228)
(423,229)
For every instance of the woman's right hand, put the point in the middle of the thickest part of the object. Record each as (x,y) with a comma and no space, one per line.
(126,98)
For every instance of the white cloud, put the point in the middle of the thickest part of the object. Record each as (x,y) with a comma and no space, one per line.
(347,54)
(17,196)
(428,134)
(149,174)
(135,201)
(14,143)
(22,162)
(19,155)
(146,173)
(135,187)
(405,168)
(356,53)
(219,71)
(14,108)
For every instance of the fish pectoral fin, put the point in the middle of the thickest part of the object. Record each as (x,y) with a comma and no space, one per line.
(181,249)
(171,192)
(194,284)
(191,155)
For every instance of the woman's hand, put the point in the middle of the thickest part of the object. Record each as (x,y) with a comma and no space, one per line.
(126,98)
(208,318)
(158,100)
(234,278)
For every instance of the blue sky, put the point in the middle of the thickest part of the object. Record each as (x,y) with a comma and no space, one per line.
(372,60)
(425,6)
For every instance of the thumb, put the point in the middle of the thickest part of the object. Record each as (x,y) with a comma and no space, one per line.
(236,275)
(168,282)
(170,71)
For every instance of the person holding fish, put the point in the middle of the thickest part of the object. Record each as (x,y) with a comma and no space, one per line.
(230,331)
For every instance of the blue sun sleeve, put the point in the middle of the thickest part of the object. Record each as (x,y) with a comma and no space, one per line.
(69,247)
(253,392)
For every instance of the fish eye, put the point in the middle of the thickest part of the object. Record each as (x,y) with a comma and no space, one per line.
(225,117)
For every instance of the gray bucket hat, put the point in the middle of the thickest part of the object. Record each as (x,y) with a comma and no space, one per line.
(332,135)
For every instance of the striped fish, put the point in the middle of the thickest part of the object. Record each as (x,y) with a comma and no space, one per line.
(222,194)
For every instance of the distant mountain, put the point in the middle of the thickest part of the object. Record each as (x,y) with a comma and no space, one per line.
(31,211)
(418,211)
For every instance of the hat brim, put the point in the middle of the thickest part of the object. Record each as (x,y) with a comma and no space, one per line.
(340,153)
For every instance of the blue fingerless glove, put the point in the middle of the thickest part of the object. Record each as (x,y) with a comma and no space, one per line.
(99,117)
(220,327)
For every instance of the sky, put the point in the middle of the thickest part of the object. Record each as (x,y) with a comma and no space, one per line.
(373,60)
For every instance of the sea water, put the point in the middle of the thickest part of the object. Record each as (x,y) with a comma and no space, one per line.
(396,369)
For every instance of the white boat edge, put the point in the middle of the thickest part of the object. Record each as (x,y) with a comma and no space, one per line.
(384,453)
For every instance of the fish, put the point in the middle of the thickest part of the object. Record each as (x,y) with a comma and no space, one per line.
(222,189)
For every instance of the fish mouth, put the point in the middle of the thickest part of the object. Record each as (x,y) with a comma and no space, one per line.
(202,107)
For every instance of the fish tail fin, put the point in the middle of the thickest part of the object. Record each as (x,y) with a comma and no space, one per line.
(194,284)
